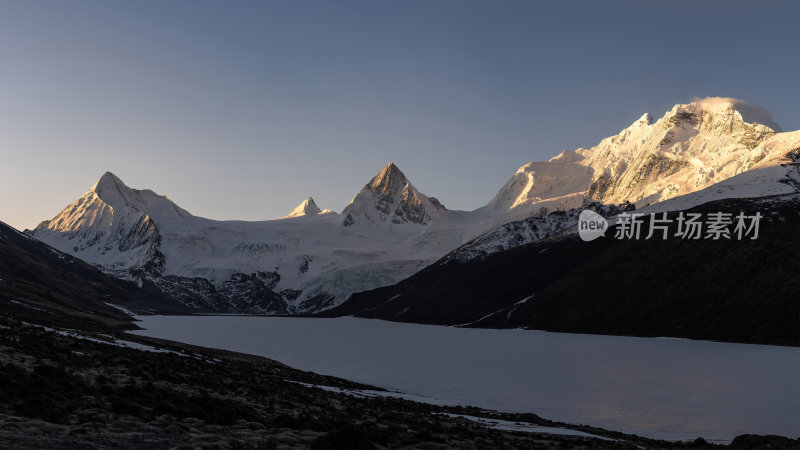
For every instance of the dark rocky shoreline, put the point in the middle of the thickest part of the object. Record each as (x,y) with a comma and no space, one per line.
(60,390)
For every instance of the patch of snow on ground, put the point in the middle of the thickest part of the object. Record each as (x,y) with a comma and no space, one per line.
(121,308)
(524,427)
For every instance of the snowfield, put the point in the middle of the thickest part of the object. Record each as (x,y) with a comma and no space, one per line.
(660,388)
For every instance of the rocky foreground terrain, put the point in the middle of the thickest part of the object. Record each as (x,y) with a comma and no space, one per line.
(64,389)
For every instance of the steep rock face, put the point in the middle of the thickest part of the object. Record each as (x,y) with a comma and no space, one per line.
(390,197)
(532,229)
(242,293)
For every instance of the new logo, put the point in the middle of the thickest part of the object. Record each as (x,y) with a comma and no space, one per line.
(591,225)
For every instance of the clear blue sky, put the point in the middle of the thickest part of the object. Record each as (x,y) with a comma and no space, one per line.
(241,109)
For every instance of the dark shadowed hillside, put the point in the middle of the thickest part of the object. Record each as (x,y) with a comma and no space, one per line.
(41,284)
(730,290)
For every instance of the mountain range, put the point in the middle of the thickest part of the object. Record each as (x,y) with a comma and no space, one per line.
(313,260)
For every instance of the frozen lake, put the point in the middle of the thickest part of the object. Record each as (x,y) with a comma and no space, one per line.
(661,388)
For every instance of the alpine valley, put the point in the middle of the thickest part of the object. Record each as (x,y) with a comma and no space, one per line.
(313,260)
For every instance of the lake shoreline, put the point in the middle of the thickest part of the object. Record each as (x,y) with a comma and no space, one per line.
(660,414)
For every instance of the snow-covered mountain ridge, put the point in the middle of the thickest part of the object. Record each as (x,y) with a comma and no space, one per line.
(312,259)
(307,260)
(691,147)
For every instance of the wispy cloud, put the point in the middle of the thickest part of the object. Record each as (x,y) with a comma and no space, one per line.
(750,113)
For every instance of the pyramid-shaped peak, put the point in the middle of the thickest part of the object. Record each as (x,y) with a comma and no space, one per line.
(108,181)
(390,170)
(390,197)
(307,208)
(389,179)
(108,177)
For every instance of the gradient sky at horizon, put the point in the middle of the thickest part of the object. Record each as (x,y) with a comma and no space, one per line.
(242,109)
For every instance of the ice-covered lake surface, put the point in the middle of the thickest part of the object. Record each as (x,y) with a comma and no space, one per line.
(660,388)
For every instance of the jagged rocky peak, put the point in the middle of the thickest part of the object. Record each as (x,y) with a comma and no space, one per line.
(390,197)
(388,181)
(734,109)
(691,147)
(307,208)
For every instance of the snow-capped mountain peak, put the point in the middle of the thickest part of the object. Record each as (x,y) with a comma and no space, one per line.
(748,113)
(390,179)
(689,148)
(107,182)
(112,225)
(390,197)
(113,192)
(307,208)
